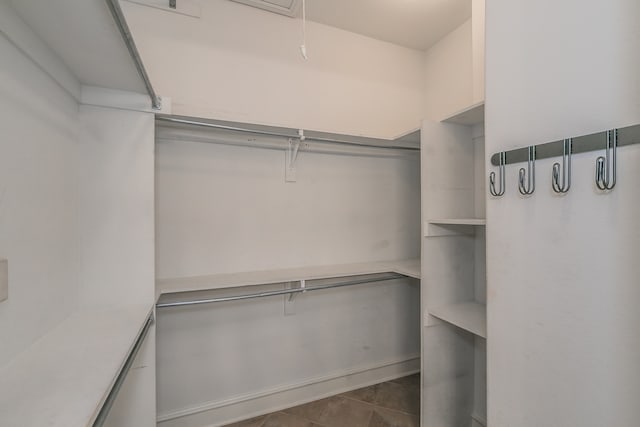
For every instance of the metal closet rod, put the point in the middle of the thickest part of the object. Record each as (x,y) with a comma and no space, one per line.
(382,278)
(121,23)
(582,144)
(282,132)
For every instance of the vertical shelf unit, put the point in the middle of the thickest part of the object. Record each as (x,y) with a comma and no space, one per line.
(453,286)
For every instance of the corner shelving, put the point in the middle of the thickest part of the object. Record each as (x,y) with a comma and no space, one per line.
(454,226)
(453,261)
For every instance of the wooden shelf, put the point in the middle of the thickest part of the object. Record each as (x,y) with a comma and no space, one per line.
(470,316)
(410,268)
(471,115)
(452,226)
(64,378)
(459,221)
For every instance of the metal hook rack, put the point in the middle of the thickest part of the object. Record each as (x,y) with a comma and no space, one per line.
(581,144)
(606,166)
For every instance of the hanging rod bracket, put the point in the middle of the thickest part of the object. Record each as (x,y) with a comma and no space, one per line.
(291,157)
(290,299)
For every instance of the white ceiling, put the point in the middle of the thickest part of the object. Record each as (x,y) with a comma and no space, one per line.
(417,24)
(84,35)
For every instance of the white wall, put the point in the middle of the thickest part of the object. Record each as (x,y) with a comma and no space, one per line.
(226,209)
(454,68)
(564,324)
(38,198)
(76,205)
(478,52)
(116,232)
(240,63)
(116,207)
(448,74)
(216,363)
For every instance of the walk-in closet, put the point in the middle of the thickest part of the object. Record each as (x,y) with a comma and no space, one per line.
(319,213)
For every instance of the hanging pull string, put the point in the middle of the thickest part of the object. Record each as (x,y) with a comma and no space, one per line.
(303,46)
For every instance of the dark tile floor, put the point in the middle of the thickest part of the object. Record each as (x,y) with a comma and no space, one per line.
(392,404)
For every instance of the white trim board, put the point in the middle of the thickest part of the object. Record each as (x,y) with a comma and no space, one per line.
(286,396)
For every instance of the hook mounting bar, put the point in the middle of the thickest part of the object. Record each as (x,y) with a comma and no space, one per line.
(582,144)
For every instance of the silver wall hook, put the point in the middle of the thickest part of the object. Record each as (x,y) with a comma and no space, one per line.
(531,174)
(492,177)
(566,169)
(606,166)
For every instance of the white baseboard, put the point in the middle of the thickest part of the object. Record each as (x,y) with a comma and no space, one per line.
(238,408)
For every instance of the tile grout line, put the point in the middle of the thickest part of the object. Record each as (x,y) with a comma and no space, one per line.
(265,420)
(343,396)
(305,418)
(370,418)
(378,406)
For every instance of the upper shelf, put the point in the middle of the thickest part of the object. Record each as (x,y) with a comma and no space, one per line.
(90,37)
(167,124)
(64,378)
(410,268)
(472,115)
(90,44)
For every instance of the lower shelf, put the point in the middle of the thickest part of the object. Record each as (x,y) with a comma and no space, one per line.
(64,378)
(409,268)
(470,316)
